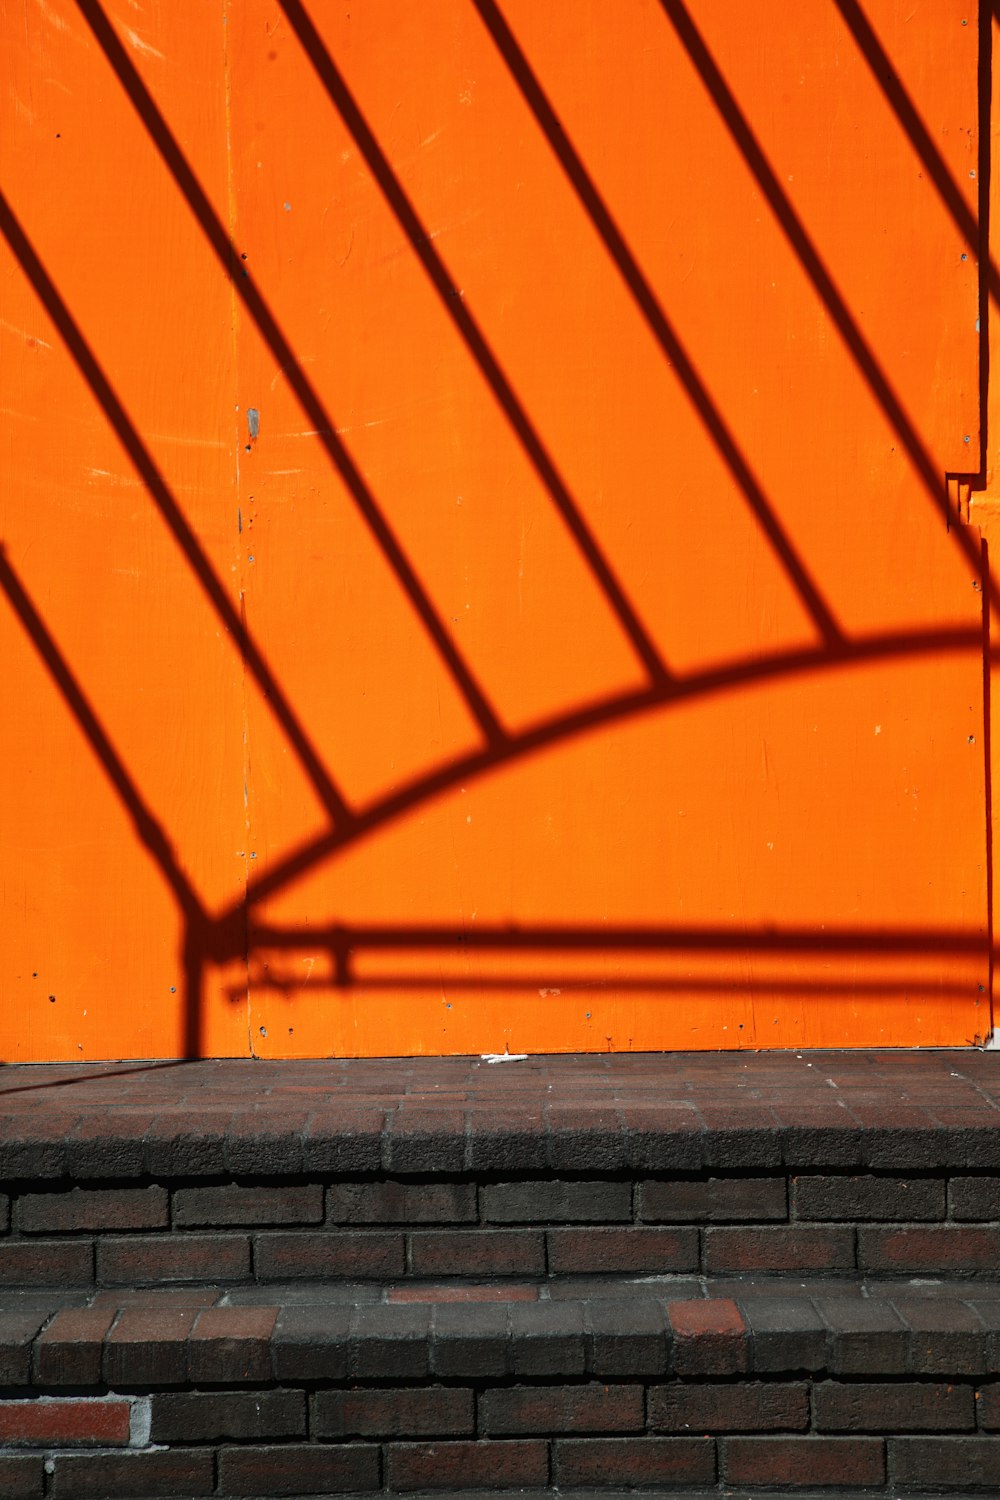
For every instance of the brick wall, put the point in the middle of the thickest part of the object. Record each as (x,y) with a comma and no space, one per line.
(183,1230)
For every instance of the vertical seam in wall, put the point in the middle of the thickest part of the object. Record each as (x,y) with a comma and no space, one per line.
(240,563)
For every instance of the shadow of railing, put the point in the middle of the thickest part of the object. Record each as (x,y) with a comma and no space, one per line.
(233,932)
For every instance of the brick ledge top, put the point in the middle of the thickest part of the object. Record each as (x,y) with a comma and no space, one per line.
(610,1113)
(127,1341)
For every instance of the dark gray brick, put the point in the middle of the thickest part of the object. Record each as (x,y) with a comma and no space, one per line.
(868,1197)
(554,1202)
(712,1200)
(233,1204)
(547,1338)
(390,1202)
(204,1416)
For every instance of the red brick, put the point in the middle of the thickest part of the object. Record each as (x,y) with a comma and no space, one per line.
(68,1351)
(960,1463)
(122,1476)
(298,1469)
(433,1411)
(148,1346)
(518,1464)
(778,1461)
(371,1255)
(46,1263)
(943,1247)
(230,1345)
(751,1406)
(65,1422)
(477,1252)
(233,1204)
(617,1463)
(21,1476)
(575,1251)
(93,1208)
(173,1257)
(888,1406)
(561,1408)
(781,1461)
(710,1337)
(792,1248)
(714,1200)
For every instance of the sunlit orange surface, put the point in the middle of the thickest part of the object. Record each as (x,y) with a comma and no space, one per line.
(479,570)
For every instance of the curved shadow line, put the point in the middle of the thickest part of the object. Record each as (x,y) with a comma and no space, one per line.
(881,647)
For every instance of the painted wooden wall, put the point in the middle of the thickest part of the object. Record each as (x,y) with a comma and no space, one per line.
(478,565)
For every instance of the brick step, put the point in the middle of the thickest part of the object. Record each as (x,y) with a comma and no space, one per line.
(188,1393)
(563,1276)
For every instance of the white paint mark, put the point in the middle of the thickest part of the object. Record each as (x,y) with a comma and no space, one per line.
(140,1422)
(502,1057)
(52,17)
(22,333)
(141,45)
(187,442)
(878,729)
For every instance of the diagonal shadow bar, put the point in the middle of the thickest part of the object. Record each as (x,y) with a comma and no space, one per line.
(906,112)
(253,300)
(815,268)
(473,337)
(658,322)
(742,673)
(147,826)
(145,465)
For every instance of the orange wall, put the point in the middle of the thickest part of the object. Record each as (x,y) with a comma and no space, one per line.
(477,566)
